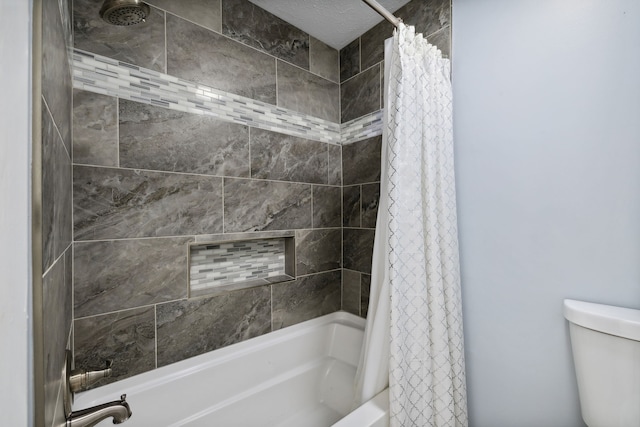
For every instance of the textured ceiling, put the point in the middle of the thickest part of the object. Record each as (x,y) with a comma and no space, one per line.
(335,22)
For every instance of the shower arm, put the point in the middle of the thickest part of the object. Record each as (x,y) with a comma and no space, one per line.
(384,12)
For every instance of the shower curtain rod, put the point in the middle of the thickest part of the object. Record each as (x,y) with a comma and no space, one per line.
(384,12)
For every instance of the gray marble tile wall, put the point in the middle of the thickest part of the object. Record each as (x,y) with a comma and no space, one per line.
(361,193)
(160,180)
(148,181)
(56,214)
(361,61)
(230,45)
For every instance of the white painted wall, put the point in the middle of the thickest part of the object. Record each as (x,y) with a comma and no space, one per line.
(15,214)
(547,128)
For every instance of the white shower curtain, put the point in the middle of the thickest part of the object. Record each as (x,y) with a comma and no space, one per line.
(413,336)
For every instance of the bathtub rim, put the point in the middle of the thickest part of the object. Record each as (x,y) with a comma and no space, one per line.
(168,373)
(372,413)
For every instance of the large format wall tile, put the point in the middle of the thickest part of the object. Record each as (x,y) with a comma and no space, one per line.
(254,205)
(254,26)
(141,44)
(351,298)
(161,139)
(350,60)
(326,206)
(192,327)
(207,13)
(199,55)
(442,39)
(95,129)
(126,337)
(318,250)
(307,93)
(360,95)
(66,9)
(427,16)
(365,290)
(357,249)
(56,193)
(351,206)
(372,43)
(370,200)
(335,165)
(118,203)
(361,161)
(287,158)
(56,74)
(306,298)
(57,325)
(324,60)
(121,274)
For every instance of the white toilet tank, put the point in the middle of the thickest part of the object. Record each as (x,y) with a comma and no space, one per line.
(606,352)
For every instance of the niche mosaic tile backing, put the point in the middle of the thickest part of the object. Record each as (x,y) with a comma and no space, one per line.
(99,74)
(234,264)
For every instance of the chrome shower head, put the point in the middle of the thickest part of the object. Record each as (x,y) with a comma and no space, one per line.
(124,12)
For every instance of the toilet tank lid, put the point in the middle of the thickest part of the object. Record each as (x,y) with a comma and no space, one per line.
(619,321)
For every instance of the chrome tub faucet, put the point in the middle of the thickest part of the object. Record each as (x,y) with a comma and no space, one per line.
(79,379)
(118,409)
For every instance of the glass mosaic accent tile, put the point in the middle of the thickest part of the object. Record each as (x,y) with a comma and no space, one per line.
(108,76)
(362,128)
(231,265)
(99,74)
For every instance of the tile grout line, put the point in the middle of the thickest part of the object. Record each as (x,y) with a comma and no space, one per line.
(250,142)
(271,307)
(360,70)
(276,72)
(223,202)
(166,49)
(312,199)
(118,131)
(311,205)
(249,236)
(244,178)
(360,205)
(155,327)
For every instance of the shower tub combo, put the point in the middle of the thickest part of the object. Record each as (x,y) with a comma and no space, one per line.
(302,375)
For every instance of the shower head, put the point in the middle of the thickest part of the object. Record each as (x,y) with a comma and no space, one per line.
(124,12)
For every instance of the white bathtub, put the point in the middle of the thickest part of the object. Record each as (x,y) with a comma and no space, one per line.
(300,376)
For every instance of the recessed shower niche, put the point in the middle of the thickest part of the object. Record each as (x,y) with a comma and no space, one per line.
(218,267)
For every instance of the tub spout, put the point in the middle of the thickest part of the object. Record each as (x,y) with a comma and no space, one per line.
(118,409)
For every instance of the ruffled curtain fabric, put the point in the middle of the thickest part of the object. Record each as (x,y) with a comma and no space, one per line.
(414,337)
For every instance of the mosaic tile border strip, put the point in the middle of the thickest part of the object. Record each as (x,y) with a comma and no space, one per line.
(362,128)
(99,74)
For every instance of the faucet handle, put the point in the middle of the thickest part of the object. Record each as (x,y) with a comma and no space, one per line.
(81,379)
